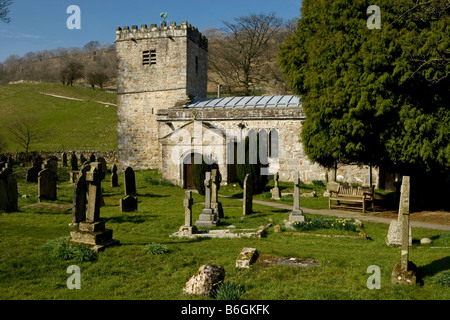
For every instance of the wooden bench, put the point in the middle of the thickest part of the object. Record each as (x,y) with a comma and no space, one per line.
(347,194)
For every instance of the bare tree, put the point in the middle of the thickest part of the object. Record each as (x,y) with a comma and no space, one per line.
(4,10)
(25,132)
(71,72)
(239,57)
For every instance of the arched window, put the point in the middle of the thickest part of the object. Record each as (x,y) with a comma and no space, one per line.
(273,143)
(252,147)
(263,144)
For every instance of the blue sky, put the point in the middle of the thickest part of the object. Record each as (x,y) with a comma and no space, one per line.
(41,24)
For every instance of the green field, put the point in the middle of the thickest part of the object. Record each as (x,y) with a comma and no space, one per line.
(66,124)
(127,271)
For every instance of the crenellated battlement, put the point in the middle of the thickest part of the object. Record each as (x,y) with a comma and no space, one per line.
(164,31)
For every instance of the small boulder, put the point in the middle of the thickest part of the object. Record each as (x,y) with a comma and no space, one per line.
(205,280)
(425,241)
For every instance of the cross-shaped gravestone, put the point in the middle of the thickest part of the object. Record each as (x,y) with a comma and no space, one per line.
(188,202)
(208,217)
(216,178)
(276,194)
(296,214)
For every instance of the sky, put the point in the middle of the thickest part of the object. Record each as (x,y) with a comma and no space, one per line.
(38,25)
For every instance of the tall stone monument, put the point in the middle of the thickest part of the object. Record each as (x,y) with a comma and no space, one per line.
(92,230)
(188,228)
(404,271)
(247,206)
(216,205)
(394,237)
(208,218)
(296,214)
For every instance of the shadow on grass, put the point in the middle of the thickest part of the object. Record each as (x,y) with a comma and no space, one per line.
(435,267)
(126,218)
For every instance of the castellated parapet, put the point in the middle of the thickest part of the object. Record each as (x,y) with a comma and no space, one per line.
(158,68)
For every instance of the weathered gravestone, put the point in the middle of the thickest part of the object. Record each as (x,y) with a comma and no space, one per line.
(82,159)
(114,177)
(129,203)
(46,185)
(247,206)
(64,159)
(74,162)
(129,181)
(79,201)
(276,193)
(188,228)
(92,158)
(208,217)
(104,166)
(296,214)
(33,172)
(8,190)
(216,205)
(394,237)
(404,271)
(92,230)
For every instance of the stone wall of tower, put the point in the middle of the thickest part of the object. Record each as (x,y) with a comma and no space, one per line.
(158,68)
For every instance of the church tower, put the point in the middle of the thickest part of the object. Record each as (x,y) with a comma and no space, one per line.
(158,68)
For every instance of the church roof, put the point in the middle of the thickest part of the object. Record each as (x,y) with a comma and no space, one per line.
(286,101)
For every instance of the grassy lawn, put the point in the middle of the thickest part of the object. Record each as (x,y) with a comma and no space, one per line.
(128,272)
(68,124)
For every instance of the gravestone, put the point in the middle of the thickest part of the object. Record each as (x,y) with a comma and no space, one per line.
(404,271)
(74,162)
(276,193)
(64,159)
(331,186)
(114,177)
(82,159)
(248,196)
(104,166)
(246,258)
(394,237)
(8,190)
(216,179)
(188,228)
(208,218)
(33,172)
(92,230)
(129,182)
(296,214)
(92,158)
(3,158)
(129,203)
(46,185)
(79,201)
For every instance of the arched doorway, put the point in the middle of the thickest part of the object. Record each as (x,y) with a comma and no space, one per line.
(188,167)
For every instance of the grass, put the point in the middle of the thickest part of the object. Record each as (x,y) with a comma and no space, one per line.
(78,125)
(128,272)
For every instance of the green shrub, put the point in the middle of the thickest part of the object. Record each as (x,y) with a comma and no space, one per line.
(60,248)
(156,248)
(228,291)
(322,223)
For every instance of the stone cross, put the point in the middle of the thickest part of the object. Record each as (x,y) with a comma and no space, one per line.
(276,194)
(248,196)
(208,217)
(216,178)
(208,190)
(404,211)
(188,202)
(296,214)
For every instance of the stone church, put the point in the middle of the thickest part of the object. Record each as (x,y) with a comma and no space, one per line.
(166,122)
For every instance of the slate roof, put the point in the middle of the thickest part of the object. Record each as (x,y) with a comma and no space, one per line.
(286,101)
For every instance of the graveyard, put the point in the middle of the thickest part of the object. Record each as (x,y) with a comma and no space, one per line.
(313,264)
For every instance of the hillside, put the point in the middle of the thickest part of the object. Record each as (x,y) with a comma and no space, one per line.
(67,124)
